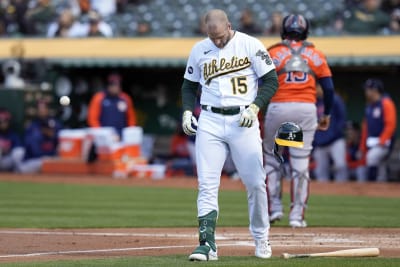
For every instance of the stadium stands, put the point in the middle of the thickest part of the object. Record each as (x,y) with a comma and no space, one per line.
(180,18)
(166,21)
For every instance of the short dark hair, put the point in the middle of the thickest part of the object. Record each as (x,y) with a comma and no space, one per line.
(114,78)
(374,84)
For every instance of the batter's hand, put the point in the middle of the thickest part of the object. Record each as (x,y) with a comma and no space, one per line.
(188,121)
(249,115)
(324,122)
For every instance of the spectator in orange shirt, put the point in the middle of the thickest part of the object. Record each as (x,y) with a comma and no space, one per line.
(378,129)
(112,107)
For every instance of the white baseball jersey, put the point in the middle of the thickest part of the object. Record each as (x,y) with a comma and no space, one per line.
(228,76)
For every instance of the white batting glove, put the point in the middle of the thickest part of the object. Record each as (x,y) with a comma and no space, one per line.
(249,116)
(187,120)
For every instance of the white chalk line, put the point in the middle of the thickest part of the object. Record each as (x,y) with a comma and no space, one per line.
(49,253)
(329,241)
(91,251)
(226,236)
(73,233)
(167,235)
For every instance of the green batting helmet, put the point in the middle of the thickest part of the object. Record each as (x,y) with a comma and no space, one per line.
(289,134)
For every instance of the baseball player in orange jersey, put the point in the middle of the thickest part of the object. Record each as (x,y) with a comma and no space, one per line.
(299,66)
(228,65)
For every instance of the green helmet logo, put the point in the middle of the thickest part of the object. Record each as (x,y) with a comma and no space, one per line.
(289,134)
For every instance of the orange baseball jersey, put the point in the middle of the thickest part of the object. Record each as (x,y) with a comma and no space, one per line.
(117,112)
(298,86)
(380,122)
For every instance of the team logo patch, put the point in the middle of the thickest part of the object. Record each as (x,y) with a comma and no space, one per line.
(376,113)
(122,106)
(190,70)
(264,56)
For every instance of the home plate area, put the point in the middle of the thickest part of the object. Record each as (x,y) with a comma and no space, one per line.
(41,244)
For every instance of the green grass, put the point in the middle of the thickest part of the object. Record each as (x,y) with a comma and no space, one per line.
(181,261)
(27,205)
(37,205)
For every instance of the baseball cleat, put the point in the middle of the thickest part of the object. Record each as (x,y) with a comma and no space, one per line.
(203,253)
(275,216)
(298,223)
(263,249)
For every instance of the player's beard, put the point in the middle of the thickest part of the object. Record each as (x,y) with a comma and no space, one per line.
(230,34)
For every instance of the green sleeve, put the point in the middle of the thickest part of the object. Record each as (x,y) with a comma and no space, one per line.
(189,93)
(267,88)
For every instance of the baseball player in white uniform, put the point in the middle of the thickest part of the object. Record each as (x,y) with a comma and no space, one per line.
(228,65)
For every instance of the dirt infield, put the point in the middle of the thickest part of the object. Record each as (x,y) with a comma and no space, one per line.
(38,244)
(55,244)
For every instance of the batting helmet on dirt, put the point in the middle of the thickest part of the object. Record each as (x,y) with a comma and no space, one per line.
(289,134)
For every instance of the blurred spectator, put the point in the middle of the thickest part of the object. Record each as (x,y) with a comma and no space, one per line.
(121,6)
(180,161)
(200,30)
(143,29)
(11,71)
(355,162)
(39,17)
(392,7)
(13,17)
(96,27)
(378,129)
(40,139)
(247,23)
(274,25)
(66,26)
(395,21)
(85,6)
(11,149)
(106,8)
(330,145)
(112,107)
(364,18)
(74,5)
(389,5)
(2,27)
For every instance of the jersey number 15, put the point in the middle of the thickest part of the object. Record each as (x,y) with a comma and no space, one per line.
(239,85)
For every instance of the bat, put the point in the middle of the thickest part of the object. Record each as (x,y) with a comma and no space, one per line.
(356,252)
